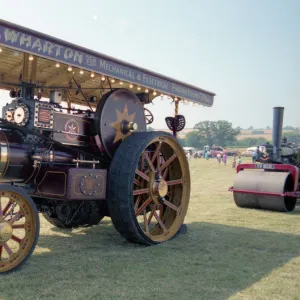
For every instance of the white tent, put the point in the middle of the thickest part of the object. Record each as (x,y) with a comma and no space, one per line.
(252,149)
(189,148)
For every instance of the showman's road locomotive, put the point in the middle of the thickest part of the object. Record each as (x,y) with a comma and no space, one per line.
(74,144)
(273,182)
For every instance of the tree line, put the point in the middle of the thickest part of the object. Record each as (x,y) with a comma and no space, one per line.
(211,133)
(221,133)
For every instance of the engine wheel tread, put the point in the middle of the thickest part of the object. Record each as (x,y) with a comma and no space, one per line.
(120,180)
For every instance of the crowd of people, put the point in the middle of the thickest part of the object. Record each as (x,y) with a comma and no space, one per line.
(262,153)
(221,158)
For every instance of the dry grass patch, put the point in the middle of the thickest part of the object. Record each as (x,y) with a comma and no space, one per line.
(227,253)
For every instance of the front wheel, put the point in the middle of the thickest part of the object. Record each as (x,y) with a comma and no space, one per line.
(149,187)
(19,228)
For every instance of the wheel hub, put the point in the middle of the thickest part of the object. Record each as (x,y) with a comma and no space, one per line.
(5,232)
(160,188)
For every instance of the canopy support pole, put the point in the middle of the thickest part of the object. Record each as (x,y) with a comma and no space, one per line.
(27,88)
(176,113)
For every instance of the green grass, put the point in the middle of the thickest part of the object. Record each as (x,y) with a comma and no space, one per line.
(227,253)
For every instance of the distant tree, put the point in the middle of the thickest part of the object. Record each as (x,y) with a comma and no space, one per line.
(268,127)
(225,134)
(257,132)
(288,128)
(292,137)
(192,139)
(205,131)
(250,128)
(216,132)
(182,142)
(250,142)
(149,128)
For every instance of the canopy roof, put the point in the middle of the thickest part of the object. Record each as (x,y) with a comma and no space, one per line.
(50,63)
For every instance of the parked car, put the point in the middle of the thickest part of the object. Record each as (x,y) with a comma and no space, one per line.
(215,150)
(232,152)
(247,153)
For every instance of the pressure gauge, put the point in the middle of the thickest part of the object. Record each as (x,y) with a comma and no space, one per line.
(21,114)
(9,116)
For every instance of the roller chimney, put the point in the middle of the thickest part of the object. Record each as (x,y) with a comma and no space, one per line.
(277,130)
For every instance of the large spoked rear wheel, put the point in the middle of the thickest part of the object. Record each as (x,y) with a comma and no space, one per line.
(149,187)
(19,228)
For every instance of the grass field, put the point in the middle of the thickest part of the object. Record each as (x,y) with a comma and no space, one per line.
(227,253)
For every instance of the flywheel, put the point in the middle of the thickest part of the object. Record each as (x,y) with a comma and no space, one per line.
(118,114)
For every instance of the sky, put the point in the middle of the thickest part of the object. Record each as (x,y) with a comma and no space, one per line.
(246,52)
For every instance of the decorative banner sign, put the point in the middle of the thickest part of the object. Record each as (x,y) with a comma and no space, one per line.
(26,40)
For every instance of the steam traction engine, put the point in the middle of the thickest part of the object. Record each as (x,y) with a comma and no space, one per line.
(273,182)
(78,165)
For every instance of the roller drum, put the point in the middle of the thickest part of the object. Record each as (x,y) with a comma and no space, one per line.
(262,181)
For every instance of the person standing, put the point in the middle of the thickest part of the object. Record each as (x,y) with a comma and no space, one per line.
(224,159)
(254,156)
(206,155)
(239,160)
(234,161)
(219,158)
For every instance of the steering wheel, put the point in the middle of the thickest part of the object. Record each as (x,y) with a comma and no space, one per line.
(148,116)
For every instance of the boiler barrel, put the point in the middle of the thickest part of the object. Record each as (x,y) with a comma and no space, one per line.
(17,158)
(15,162)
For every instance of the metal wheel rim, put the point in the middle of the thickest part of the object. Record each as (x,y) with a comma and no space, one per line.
(168,214)
(17,212)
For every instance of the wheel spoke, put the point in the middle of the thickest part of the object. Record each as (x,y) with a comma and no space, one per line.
(1,249)
(171,205)
(19,226)
(168,162)
(141,174)
(142,163)
(149,161)
(137,202)
(141,191)
(7,249)
(146,221)
(16,239)
(160,222)
(16,217)
(135,181)
(151,214)
(143,206)
(174,182)
(9,204)
(156,152)
(161,210)
(165,173)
